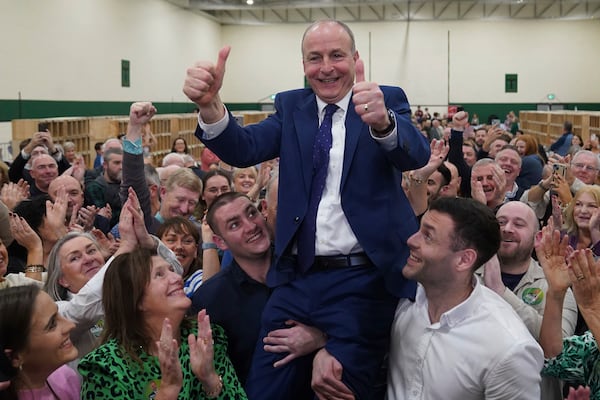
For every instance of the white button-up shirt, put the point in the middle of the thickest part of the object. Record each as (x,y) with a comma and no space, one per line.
(480,349)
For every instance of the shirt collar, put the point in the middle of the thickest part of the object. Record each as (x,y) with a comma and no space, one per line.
(342,104)
(456,314)
(512,193)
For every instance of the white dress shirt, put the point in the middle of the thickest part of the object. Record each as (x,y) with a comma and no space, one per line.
(479,349)
(334,236)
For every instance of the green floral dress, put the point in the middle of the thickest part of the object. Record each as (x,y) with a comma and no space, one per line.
(579,362)
(109,373)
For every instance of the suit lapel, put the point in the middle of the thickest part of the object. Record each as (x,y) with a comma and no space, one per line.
(307,127)
(354,126)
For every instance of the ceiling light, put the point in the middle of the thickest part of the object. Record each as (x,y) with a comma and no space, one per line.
(249,2)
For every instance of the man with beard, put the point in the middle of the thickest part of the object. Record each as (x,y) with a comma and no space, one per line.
(458,340)
(520,280)
(105,188)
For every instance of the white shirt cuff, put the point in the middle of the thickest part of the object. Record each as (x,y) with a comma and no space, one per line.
(211,131)
(389,142)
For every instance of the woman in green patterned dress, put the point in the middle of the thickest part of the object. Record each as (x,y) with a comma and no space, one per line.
(150,350)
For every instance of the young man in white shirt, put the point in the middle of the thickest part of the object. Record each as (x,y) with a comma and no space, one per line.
(459,340)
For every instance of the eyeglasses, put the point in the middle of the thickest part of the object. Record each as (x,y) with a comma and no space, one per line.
(588,168)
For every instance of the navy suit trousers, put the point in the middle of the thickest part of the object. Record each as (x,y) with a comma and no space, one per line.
(352,306)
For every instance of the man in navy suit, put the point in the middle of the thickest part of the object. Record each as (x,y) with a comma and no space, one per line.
(363,219)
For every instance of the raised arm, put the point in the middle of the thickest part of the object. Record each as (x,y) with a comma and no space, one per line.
(133,158)
(417,189)
(455,154)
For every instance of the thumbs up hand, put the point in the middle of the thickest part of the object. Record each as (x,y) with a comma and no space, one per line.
(368,101)
(202,84)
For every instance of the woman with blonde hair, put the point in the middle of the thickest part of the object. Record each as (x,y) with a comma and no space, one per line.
(582,219)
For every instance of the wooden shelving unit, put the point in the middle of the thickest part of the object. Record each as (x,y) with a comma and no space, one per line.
(86,131)
(547,126)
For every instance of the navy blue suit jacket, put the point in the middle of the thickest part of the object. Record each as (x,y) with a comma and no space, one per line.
(371,195)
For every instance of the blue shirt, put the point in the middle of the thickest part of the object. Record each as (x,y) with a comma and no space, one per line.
(562,144)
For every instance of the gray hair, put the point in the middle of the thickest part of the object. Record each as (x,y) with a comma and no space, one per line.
(483,162)
(587,153)
(109,153)
(151,175)
(52,287)
(68,145)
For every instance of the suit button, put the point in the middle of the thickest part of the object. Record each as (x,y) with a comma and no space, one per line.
(296,219)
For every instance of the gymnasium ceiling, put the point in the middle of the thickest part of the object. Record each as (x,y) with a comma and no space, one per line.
(238,12)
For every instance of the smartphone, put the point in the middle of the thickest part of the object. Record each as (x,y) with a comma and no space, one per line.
(43,127)
(560,169)
(495,122)
(593,136)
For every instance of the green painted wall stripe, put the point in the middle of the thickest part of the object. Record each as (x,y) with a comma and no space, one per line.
(15,109)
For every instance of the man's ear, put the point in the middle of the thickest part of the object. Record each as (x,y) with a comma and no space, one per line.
(467,260)
(263,208)
(153,189)
(220,242)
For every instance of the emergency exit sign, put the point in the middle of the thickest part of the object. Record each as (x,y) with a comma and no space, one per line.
(510,83)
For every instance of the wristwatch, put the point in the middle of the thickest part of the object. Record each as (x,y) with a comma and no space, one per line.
(389,128)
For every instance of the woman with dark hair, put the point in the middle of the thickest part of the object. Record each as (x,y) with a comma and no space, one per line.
(180,146)
(36,342)
(47,219)
(181,236)
(149,349)
(214,183)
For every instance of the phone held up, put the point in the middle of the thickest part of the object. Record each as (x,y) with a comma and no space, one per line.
(560,169)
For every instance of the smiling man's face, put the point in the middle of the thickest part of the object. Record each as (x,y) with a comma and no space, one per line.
(329,61)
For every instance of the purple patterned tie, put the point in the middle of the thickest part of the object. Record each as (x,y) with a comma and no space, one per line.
(306,232)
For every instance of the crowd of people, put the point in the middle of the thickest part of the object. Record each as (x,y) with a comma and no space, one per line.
(357,250)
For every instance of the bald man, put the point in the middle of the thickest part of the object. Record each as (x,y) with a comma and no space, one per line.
(520,280)
(73,189)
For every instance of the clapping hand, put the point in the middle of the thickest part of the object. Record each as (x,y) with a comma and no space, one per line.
(202,351)
(552,251)
(14,193)
(24,234)
(585,281)
(168,359)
